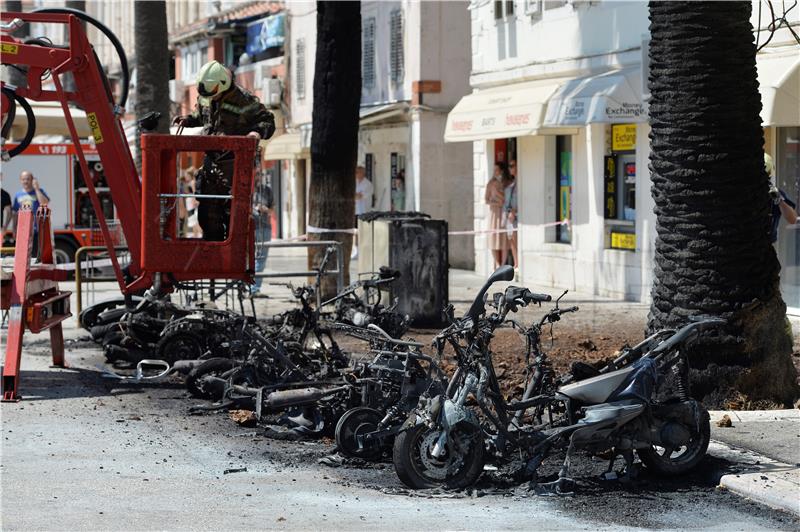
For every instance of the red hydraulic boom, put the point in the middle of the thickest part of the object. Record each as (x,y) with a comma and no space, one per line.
(160,258)
(147,221)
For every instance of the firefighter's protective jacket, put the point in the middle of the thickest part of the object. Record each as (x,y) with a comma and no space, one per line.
(237,112)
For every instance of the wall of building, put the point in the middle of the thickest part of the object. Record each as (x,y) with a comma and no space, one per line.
(570,37)
(442,172)
(302,26)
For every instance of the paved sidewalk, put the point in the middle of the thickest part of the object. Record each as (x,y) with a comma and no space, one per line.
(764,448)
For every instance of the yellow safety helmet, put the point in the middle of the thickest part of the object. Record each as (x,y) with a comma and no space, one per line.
(213,80)
(769,166)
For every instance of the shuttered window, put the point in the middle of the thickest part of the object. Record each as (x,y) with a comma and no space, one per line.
(368,53)
(300,68)
(396,52)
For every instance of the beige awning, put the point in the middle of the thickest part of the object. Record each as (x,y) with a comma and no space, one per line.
(779,81)
(49,121)
(509,111)
(611,98)
(286,146)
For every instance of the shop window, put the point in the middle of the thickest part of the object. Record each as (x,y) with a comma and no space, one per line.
(563,187)
(368,53)
(619,188)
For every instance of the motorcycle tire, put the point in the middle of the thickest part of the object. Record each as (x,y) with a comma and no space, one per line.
(180,345)
(657,461)
(99,332)
(355,422)
(199,387)
(410,464)
(90,316)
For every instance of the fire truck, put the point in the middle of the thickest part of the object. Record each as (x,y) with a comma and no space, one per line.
(58,170)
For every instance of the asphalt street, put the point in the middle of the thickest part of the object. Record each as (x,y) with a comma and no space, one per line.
(82,452)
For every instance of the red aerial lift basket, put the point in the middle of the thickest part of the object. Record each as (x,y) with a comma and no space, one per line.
(163,250)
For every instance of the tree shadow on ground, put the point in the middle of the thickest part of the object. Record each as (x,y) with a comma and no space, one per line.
(65,383)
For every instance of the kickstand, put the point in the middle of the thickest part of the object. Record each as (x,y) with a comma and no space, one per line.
(609,473)
(564,485)
(631,470)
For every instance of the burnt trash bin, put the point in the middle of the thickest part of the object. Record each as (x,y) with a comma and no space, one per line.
(416,246)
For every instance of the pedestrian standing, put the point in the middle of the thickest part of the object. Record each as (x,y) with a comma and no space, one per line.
(262,220)
(494,198)
(31,195)
(5,213)
(363,201)
(782,206)
(510,210)
(399,192)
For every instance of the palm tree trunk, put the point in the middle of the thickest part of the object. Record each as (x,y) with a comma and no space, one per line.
(713,254)
(152,64)
(334,137)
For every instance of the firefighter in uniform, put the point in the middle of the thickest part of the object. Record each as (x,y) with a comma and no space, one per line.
(223,108)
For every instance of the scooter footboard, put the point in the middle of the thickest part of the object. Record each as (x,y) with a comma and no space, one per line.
(601,420)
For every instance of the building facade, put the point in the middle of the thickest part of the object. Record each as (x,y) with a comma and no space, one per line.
(415,67)
(561,88)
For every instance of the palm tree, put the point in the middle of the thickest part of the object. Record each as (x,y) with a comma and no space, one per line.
(334,137)
(713,254)
(152,63)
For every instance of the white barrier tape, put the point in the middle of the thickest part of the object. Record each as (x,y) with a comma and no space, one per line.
(312,229)
(495,231)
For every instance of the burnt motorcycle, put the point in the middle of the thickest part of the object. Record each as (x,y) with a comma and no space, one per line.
(614,411)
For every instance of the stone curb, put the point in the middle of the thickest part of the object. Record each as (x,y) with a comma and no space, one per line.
(764,480)
(743,416)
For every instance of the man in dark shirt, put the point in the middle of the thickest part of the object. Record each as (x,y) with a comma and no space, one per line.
(5,213)
(262,220)
(223,108)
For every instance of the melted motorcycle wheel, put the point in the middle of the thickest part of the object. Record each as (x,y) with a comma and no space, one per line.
(354,423)
(180,345)
(200,381)
(679,459)
(459,466)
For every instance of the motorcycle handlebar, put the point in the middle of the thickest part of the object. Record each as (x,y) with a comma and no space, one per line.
(531,297)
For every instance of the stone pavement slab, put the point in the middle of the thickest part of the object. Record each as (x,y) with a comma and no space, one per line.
(765,446)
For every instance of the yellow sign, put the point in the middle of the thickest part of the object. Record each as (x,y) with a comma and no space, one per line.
(95,127)
(623,241)
(9,49)
(623,137)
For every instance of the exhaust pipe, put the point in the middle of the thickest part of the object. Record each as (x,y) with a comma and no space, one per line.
(285,398)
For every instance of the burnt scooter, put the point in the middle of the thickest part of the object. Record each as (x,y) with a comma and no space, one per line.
(398,376)
(614,411)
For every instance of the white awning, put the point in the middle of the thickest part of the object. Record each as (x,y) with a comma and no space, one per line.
(509,111)
(779,81)
(49,121)
(611,98)
(286,146)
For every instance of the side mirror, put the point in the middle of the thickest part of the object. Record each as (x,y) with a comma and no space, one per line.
(503,273)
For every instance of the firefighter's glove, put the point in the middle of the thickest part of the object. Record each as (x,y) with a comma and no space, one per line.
(180,120)
(774,194)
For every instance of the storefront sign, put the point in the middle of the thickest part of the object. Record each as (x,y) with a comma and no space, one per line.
(623,241)
(610,187)
(265,33)
(623,137)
